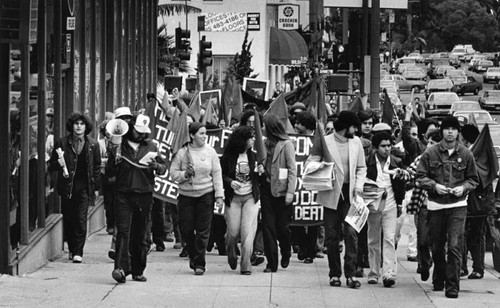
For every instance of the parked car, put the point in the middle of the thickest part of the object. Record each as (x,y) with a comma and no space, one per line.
(464,52)
(481,117)
(438,85)
(464,106)
(415,73)
(439,103)
(482,66)
(468,84)
(492,74)
(390,85)
(441,70)
(490,100)
(406,85)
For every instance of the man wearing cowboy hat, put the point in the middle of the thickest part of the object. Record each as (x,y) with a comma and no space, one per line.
(134,174)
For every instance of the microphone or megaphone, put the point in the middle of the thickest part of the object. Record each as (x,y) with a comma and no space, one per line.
(116,128)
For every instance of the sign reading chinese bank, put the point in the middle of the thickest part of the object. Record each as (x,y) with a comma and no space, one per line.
(288,17)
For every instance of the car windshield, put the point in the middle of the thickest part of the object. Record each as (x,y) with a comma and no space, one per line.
(454,73)
(494,70)
(444,98)
(459,79)
(466,106)
(483,62)
(492,94)
(458,50)
(440,83)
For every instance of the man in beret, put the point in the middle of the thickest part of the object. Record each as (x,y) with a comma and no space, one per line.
(448,172)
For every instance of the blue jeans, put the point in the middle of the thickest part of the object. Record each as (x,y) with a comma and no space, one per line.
(195,218)
(423,239)
(333,222)
(132,212)
(241,220)
(447,225)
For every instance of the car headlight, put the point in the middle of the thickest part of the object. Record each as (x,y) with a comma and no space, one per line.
(431,107)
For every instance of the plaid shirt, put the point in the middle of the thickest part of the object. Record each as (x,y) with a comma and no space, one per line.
(418,195)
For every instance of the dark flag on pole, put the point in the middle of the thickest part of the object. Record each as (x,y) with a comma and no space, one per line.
(259,140)
(387,110)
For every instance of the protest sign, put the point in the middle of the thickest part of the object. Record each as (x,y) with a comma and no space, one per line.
(306,210)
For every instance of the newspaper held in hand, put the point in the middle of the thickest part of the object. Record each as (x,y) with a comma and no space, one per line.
(149,157)
(318,176)
(60,153)
(357,214)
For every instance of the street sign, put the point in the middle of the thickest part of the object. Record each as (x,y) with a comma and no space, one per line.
(253,21)
(392,17)
(288,17)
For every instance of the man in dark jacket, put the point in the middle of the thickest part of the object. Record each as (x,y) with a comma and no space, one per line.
(448,172)
(135,179)
(385,176)
(77,159)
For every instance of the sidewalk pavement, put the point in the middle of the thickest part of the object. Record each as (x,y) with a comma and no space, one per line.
(172,284)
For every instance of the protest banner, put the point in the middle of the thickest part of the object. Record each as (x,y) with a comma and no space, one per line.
(306,211)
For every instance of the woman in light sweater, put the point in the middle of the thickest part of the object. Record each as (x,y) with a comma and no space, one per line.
(196,169)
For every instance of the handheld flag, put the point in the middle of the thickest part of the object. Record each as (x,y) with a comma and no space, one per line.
(356,105)
(259,140)
(232,100)
(181,136)
(485,156)
(387,110)
(280,110)
(195,107)
(319,146)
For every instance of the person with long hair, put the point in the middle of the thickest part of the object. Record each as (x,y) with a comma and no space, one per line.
(76,158)
(278,181)
(196,169)
(241,192)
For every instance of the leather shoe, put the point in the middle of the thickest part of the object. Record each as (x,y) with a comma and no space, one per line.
(438,287)
(424,274)
(308,260)
(359,272)
(464,273)
(475,275)
(257,260)
(160,247)
(285,261)
(451,294)
(119,275)
(233,263)
(353,283)
(140,278)
(389,282)
(199,271)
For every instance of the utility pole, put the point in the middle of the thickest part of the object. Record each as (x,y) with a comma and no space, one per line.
(375,59)
(316,19)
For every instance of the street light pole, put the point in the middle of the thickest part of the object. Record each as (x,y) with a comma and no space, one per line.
(375,59)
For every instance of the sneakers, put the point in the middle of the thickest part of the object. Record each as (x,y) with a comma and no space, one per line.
(257,260)
(475,275)
(199,271)
(169,237)
(119,275)
(353,283)
(335,282)
(77,259)
(372,280)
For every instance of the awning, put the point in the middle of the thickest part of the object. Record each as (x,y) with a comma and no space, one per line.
(287,47)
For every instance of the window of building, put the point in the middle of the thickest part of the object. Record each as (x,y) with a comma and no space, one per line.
(217,72)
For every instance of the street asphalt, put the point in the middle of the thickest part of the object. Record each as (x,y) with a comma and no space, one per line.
(172,284)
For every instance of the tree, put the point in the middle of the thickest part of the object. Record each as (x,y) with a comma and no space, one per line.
(240,66)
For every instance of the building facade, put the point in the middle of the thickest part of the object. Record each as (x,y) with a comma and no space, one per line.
(58,57)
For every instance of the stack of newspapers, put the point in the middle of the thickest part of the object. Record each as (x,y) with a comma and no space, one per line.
(318,176)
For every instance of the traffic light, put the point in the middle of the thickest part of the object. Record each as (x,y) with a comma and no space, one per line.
(205,59)
(182,43)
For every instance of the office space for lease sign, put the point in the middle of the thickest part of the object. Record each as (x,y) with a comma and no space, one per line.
(225,22)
